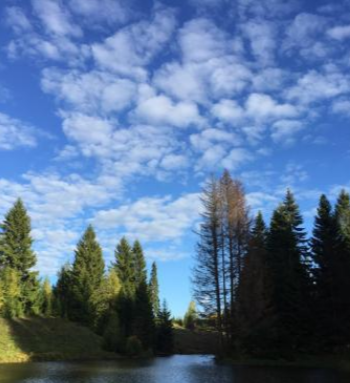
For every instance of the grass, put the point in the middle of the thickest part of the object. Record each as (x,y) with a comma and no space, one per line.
(37,339)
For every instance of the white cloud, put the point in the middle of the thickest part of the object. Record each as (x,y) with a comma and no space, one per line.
(55,18)
(17,20)
(341,107)
(15,133)
(95,11)
(284,131)
(262,38)
(303,36)
(132,47)
(315,86)
(152,219)
(339,33)
(90,92)
(208,137)
(200,40)
(160,110)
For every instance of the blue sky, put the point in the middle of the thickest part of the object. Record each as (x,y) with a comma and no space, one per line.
(115,112)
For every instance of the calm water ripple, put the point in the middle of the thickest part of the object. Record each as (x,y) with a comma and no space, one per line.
(176,369)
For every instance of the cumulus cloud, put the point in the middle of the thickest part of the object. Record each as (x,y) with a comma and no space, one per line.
(132,47)
(149,219)
(160,110)
(339,33)
(15,133)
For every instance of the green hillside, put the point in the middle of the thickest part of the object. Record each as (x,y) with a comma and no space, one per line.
(23,340)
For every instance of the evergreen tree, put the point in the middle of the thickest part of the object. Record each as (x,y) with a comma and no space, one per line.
(62,291)
(16,254)
(341,270)
(16,249)
(324,248)
(144,325)
(154,289)
(288,280)
(252,302)
(46,298)
(125,267)
(113,337)
(104,300)
(87,276)
(191,317)
(139,264)
(165,333)
(12,306)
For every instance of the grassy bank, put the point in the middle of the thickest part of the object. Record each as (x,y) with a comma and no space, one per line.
(33,339)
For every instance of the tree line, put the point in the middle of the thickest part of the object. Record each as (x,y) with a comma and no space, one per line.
(120,303)
(272,290)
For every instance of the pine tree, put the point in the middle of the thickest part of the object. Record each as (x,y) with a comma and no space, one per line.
(165,333)
(288,278)
(252,302)
(154,289)
(139,264)
(114,339)
(87,276)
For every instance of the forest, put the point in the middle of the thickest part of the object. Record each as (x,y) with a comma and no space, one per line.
(274,291)
(119,303)
(268,291)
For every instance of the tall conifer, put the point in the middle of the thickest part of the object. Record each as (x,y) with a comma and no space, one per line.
(87,275)
(154,289)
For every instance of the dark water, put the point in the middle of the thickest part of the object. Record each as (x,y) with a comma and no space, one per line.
(176,369)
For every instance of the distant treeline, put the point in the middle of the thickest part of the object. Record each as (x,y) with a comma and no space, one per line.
(120,304)
(273,291)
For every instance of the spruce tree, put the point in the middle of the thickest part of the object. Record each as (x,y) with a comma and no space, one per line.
(154,289)
(16,244)
(144,323)
(104,300)
(16,253)
(139,264)
(87,275)
(62,291)
(324,253)
(252,294)
(46,298)
(125,267)
(341,278)
(165,332)
(289,285)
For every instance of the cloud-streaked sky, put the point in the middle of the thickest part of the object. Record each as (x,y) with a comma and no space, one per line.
(114,112)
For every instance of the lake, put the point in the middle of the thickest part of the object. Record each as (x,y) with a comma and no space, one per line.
(175,369)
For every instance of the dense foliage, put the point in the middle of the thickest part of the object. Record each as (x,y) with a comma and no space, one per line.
(121,304)
(272,291)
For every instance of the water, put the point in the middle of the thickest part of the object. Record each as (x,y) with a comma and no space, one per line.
(176,369)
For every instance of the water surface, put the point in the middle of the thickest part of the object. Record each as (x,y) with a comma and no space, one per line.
(176,369)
